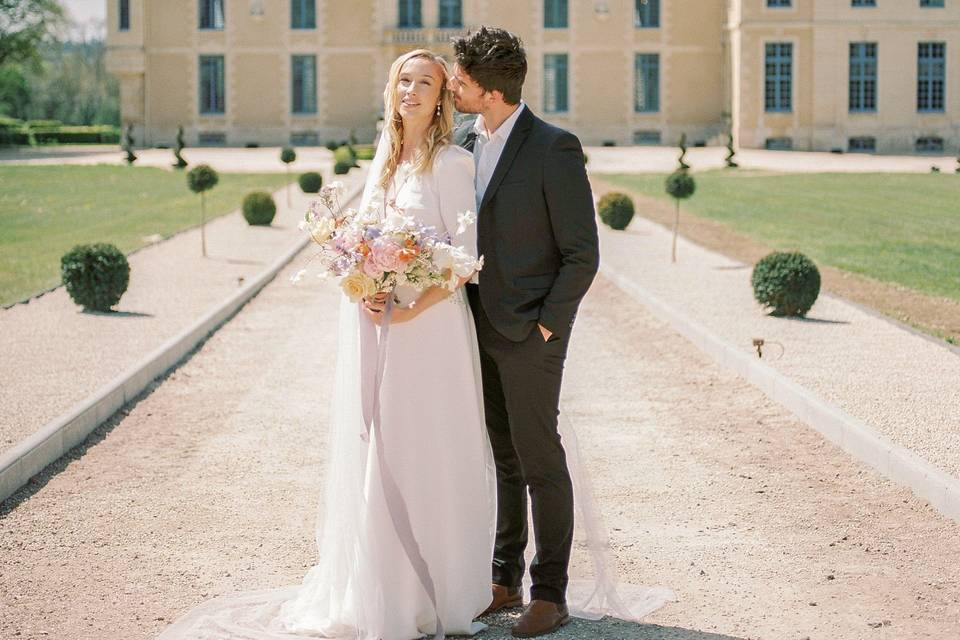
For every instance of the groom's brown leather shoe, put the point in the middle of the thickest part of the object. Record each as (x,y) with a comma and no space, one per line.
(504,598)
(539,618)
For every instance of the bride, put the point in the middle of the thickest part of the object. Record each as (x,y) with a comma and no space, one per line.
(375,577)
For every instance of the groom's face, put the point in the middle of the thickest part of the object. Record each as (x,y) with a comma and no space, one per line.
(467,94)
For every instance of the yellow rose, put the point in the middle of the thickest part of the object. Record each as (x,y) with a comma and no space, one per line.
(358,285)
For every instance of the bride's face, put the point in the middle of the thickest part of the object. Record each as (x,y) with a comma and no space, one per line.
(418,89)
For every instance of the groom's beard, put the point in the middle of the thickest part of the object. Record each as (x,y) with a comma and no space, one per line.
(463,107)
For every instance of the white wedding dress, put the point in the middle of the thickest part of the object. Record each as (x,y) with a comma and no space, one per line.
(434,443)
(368,583)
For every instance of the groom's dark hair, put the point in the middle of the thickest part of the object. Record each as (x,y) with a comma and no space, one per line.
(495,59)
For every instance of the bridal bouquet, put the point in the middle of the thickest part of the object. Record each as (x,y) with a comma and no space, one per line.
(378,248)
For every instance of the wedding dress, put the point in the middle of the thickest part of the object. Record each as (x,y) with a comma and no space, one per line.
(439,466)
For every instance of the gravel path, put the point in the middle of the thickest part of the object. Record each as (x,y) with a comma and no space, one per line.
(902,384)
(56,355)
(208,484)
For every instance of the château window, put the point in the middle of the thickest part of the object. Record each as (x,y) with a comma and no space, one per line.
(931,73)
(124,11)
(647,14)
(778,74)
(212,98)
(211,14)
(303,14)
(409,15)
(304,90)
(451,14)
(646,95)
(555,99)
(555,14)
(863,76)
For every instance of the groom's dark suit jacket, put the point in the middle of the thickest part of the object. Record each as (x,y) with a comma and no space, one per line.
(536,230)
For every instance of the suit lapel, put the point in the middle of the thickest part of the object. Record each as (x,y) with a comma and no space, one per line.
(520,131)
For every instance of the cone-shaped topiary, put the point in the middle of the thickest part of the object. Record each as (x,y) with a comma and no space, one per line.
(178,151)
(259,208)
(680,185)
(128,144)
(788,283)
(310,182)
(95,275)
(616,210)
(200,179)
(683,152)
(731,152)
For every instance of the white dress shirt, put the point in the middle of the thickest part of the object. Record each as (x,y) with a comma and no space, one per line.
(488,148)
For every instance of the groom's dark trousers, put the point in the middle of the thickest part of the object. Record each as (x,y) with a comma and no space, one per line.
(538,235)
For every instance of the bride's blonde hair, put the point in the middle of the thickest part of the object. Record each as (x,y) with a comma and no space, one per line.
(440,131)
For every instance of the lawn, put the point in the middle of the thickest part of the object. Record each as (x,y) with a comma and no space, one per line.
(44,211)
(899,228)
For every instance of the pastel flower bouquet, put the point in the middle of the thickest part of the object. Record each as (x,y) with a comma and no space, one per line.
(376,249)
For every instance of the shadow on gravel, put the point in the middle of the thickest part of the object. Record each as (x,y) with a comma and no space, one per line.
(117,314)
(817,320)
(237,260)
(606,629)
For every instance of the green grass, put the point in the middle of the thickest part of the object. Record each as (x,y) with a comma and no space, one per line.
(44,211)
(900,228)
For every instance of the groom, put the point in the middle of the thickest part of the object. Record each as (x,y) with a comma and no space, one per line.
(537,233)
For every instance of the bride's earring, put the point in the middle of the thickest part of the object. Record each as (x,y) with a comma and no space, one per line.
(438,108)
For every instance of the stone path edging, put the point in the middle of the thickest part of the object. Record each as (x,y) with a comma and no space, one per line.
(852,435)
(53,440)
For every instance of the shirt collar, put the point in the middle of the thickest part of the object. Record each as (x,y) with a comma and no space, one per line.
(503,131)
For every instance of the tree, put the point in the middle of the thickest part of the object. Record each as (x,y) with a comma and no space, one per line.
(680,185)
(25,25)
(287,156)
(201,179)
(178,150)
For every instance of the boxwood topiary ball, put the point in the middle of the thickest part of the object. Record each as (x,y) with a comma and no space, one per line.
(680,184)
(95,275)
(288,155)
(259,208)
(310,182)
(616,210)
(788,283)
(202,178)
